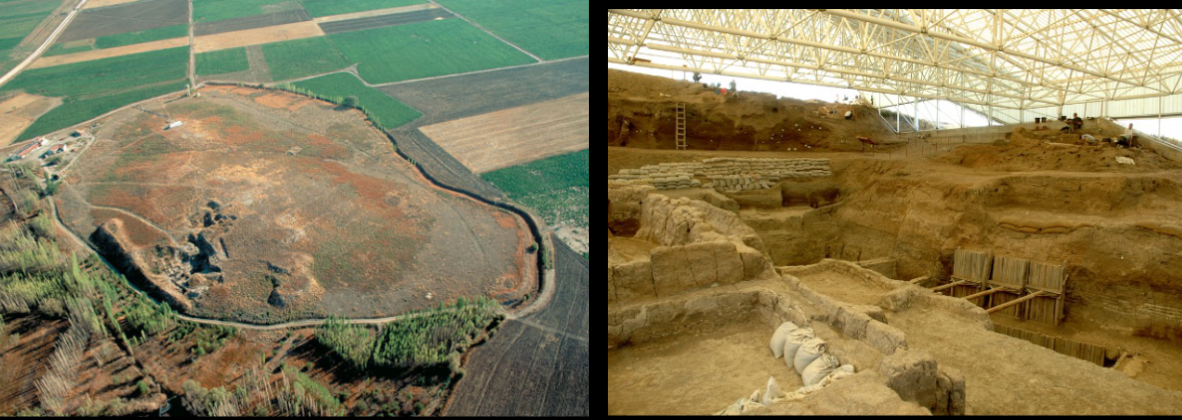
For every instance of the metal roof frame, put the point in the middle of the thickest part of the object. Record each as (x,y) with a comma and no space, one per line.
(1010,59)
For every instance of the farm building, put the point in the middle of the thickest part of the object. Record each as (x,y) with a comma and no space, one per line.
(61,148)
(917,211)
(27,149)
(173,125)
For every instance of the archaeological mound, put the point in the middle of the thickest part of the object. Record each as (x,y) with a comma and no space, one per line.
(265,206)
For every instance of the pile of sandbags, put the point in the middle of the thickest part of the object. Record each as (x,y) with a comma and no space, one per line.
(725,174)
(803,352)
(676,181)
(777,342)
(736,183)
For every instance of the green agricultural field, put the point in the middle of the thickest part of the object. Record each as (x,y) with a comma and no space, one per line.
(17,20)
(96,87)
(108,75)
(68,48)
(384,110)
(550,29)
(178,31)
(213,10)
(72,113)
(318,8)
(302,57)
(557,188)
(220,62)
(424,49)
(9,43)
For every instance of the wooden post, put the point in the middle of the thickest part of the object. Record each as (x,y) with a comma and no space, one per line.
(949,285)
(1016,301)
(985,293)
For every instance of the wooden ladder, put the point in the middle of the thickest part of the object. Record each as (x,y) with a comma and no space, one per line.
(681,145)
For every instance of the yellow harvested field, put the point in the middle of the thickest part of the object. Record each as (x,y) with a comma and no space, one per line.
(19,101)
(517,135)
(100,3)
(379,12)
(12,126)
(257,36)
(19,111)
(58,60)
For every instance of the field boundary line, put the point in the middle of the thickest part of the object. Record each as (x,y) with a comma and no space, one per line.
(475,72)
(539,59)
(48,41)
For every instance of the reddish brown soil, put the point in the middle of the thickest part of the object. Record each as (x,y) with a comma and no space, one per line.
(370,232)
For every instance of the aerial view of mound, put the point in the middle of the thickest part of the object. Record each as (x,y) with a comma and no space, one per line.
(261,207)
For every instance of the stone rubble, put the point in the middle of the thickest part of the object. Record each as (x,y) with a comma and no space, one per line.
(723,174)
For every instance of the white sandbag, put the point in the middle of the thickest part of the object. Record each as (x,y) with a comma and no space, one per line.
(808,352)
(777,343)
(772,392)
(732,410)
(793,342)
(821,367)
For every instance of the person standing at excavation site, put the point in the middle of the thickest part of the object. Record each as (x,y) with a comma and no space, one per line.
(1077,122)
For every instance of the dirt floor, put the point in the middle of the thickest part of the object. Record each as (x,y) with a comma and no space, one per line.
(515,136)
(256,36)
(536,366)
(694,374)
(845,289)
(384,20)
(1010,376)
(379,12)
(124,18)
(58,60)
(268,206)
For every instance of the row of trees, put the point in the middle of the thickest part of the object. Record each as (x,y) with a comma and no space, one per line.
(426,339)
(346,101)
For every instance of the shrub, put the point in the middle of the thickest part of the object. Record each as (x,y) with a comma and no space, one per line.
(143,387)
(350,101)
(361,407)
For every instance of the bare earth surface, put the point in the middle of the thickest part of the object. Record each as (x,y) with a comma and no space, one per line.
(256,36)
(268,206)
(519,135)
(103,3)
(19,111)
(694,374)
(1005,375)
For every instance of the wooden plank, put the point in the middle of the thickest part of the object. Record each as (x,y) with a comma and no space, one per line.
(1058,309)
(1016,301)
(985,293)
(949,285)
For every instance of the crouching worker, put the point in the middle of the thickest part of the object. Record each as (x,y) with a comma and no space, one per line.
(1128,139)
(1088,139)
